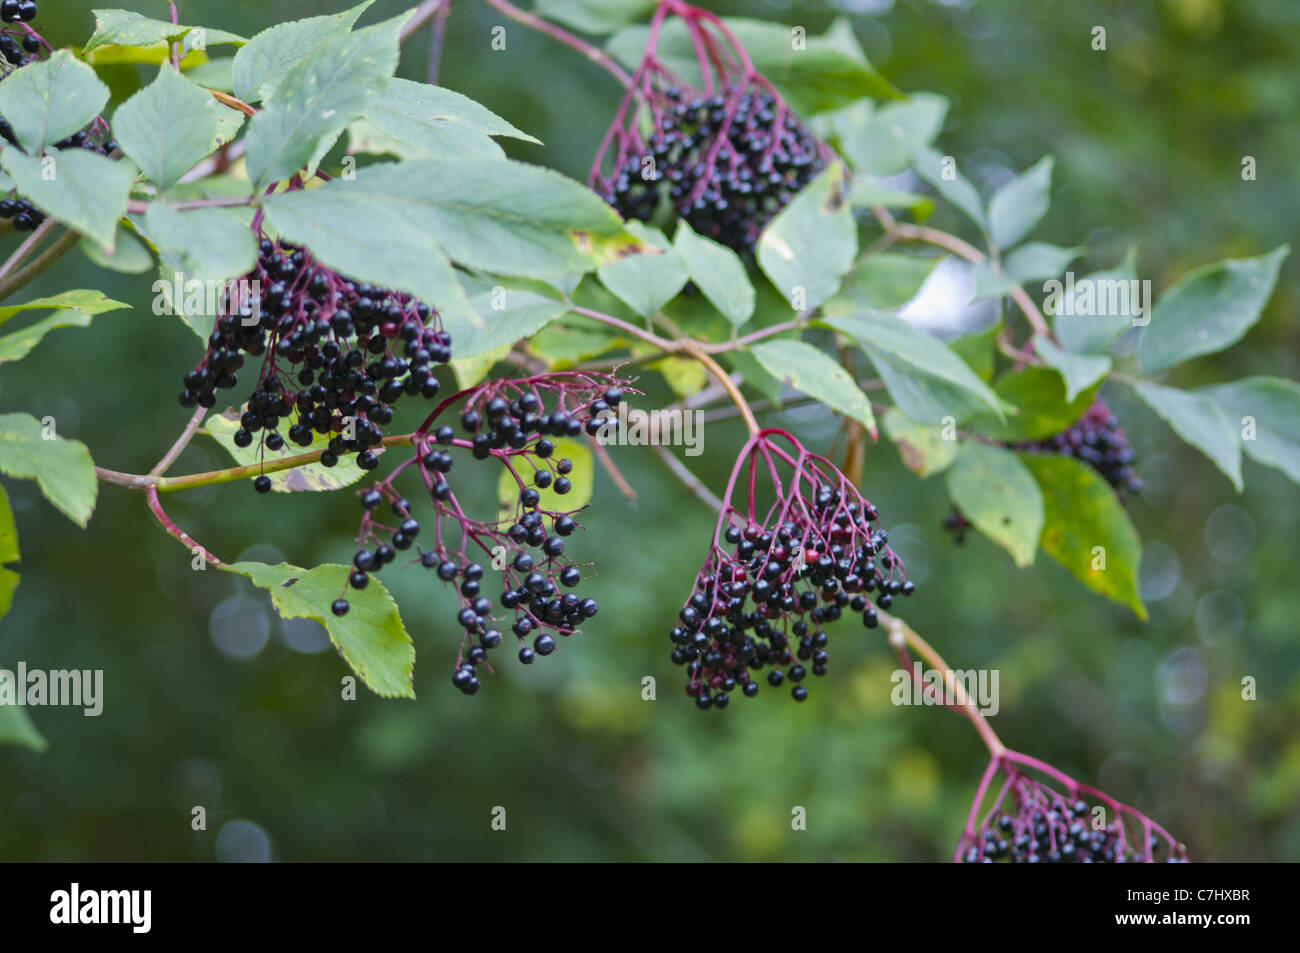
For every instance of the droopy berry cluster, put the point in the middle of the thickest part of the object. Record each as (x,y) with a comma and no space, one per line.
(772,582)
(1098,440)
(1031,822)
(336,355)
(731,161)
(525,425)
(729,154)
(18,42)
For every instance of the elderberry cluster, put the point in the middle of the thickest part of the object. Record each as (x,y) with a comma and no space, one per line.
(336,356)
(1053,831)
(25,215)
(18,46)
(1098,440)
(508,420)
(764,603)
(730,161)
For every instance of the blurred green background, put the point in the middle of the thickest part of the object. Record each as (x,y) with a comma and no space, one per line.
(211,700)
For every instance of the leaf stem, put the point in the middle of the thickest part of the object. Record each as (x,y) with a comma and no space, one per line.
(693,348)
(900,634)
(155,507)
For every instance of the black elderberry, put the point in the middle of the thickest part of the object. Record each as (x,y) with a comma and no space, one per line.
(262,484)
(340,607)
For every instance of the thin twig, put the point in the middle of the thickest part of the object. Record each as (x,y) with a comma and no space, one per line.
(27,247)
(422,15)
(692,483)
(35,267)
(612,469)
(435,41)
(181,443)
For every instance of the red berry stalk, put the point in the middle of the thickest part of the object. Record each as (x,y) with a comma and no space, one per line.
(512,421)
(777,571)
(727,146)
(1032,821)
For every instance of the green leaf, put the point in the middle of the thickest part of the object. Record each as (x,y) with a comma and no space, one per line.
(1089,314)
(126,28)
(989,282)
(941,172)
(8,554)
(394,220)
(922,447)
(717,272)
(371,636)
(977,350)
(755,375)
(19,344)
(1079,371)
(880,142)
(85,301)
(204,244)
(645,283)
(61,468)
(130,255)
(565,343)
(1039,395)
(828,72)
(1081,513)
(431,122)
(318,99)
(16,728)
(472,370)
(502,312)
(1211,308)
(1199,421)
(884,282)
(1268,412)
(595,16)
(809,371)
(927,380)
(82,189)
(49,100)
(312,477)
(167,127)
(683,375)
(995,491)
(1021,204)
(269,57)
(582,478)
(808,248)
(866,194)
(214,74)
(1038,260)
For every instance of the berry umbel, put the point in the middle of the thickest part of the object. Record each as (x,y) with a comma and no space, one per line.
(1031,822)
(520,423)
(727,154)
(777,573)
(335,355)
